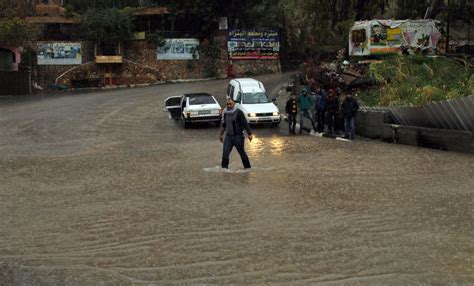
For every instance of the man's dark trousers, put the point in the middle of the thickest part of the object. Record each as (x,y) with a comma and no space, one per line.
(229,142)
(292,122)
(321,115)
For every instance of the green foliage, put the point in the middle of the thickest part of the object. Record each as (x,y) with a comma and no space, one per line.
(69,12)
(28,57)
(190,64)
(319,27)
(409,9)
(212,52)
(155,38)
(104,26)
(416,80)
(16,32)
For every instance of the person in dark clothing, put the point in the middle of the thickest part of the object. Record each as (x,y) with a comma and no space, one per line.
(332,107)
(233,125)
(320,108)
(291,110)
(350,106)
(339,124)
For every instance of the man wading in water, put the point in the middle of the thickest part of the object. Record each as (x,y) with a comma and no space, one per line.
(233,124)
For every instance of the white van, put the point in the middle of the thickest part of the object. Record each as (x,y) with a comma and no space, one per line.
(251,97)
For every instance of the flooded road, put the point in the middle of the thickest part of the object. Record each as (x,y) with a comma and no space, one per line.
(104,189)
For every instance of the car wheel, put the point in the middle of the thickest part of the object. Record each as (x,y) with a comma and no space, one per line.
(184,123)
(217,123)
(275,124)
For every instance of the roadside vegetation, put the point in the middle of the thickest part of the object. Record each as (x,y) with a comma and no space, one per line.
(417,80)
(309,30)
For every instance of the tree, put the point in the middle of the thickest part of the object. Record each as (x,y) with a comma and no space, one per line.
(15,8)
(16,32)
(317,27)
(107,26)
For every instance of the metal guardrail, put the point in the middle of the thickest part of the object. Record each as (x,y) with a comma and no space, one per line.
(454,114)
(364,107)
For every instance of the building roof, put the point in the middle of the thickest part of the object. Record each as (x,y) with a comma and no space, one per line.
(151,11)
(52,20)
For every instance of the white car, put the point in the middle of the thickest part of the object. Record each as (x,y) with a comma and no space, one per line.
(251,97)
(194,107)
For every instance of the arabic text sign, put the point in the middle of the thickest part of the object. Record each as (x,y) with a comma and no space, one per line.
(59,54)
(253,44)
(178,49)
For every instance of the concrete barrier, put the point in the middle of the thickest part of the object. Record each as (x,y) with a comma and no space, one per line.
(376,125)
(443,139)
(370,123)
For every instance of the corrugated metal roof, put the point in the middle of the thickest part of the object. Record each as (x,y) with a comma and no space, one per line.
(455,114)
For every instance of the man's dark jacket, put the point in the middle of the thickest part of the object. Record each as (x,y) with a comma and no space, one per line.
(332,103)
(237,122)
(291,106)
(350,107)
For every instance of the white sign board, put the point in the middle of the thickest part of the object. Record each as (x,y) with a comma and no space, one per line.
(59,54)
(178,49)
(393,36)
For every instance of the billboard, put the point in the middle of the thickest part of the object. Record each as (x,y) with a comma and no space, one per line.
(59,54)
(393,36)
(253,44)
(178,49)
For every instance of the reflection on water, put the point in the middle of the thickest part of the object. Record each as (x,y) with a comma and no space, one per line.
(260,146)
(255,148)
(277,145)
(219,169)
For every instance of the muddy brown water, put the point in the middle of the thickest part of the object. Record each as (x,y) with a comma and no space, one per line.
(104,189)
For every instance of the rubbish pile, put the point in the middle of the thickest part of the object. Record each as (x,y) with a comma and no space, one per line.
(337,74)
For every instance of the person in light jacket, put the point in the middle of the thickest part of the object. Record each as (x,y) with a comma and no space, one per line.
(304,103)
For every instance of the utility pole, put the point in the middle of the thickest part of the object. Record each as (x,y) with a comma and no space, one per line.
(469,36)
(447,26)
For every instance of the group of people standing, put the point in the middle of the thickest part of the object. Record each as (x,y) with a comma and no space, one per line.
(326,106)
(329,109)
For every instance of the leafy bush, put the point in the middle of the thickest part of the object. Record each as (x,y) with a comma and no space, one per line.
(155,38)
(417,80)
(16,32)
(212,52)
(106,26)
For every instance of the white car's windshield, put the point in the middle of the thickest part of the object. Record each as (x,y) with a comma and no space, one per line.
(255,97)
(201,99)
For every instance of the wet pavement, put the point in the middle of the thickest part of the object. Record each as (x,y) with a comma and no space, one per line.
(102,188)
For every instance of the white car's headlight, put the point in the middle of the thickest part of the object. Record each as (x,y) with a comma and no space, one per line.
(252,114)
(276,113)
(216,111)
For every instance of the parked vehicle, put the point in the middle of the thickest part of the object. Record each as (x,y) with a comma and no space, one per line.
(251,97)
(194,107)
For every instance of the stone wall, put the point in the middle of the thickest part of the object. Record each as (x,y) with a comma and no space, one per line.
(140,66)
(243,68)
(45,75)
(143,55)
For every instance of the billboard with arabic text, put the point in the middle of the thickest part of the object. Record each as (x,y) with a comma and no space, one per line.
(253,44)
